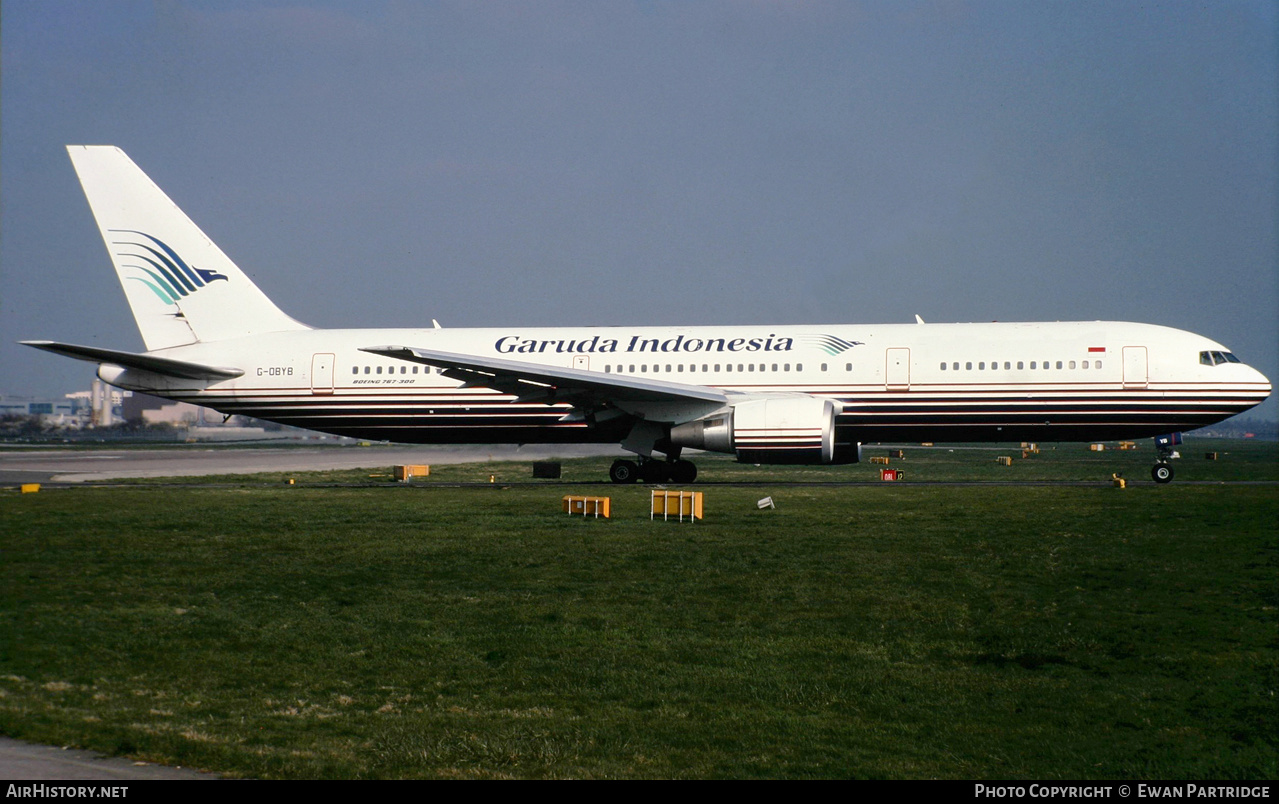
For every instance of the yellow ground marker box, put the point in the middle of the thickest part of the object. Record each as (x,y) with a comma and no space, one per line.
(411,471)
(679,505)
(587,506)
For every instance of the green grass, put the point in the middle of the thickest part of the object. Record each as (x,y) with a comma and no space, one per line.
(432,631)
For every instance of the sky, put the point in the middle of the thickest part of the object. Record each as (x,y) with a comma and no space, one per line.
(522,164)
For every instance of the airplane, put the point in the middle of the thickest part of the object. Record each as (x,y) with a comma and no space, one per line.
(765,394)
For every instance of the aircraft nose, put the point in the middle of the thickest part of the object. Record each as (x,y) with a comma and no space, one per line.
(1262,381)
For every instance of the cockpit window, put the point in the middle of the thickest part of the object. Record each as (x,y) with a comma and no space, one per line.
(1217,358)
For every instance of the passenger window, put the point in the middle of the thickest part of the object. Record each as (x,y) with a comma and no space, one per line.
(1058,364)
(366,369)
(775,367)
(1007,365)
(954,366)
(968,366)
(379,369)
(1085,365)
(1020,365)
(1072,364)
(799,366)
(943,366)
(981,366)
(823,366)
(1032,364)
(355,369)
(739,367)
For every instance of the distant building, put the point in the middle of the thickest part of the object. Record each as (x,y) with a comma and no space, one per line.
(105,406)
(68,411)
(154,410)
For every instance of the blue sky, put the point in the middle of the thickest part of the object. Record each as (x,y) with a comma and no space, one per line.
(522,164)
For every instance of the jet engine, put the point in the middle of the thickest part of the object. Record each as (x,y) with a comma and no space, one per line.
(778,430)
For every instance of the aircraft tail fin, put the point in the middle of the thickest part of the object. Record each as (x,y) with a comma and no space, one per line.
(181,287)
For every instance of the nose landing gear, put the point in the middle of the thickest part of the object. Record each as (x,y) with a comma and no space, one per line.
(1162,471)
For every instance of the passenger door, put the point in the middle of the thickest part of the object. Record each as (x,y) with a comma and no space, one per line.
(897,369)
(1136,367)
(322,373)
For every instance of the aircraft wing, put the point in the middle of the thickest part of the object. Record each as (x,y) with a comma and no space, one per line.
(143,362)
(540,382)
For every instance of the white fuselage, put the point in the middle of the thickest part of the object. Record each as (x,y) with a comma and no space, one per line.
(916,382)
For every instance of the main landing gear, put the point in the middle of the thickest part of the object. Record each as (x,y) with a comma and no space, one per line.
(651,470)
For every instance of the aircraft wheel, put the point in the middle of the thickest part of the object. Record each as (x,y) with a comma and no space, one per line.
(655,471)
(683,472)
(623,472)
(1162,473)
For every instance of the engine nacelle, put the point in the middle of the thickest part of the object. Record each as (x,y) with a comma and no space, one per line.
(782,429)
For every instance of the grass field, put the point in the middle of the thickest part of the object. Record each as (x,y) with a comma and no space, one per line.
(895,630)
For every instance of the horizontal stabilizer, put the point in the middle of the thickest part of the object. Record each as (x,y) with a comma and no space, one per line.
(142,362)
